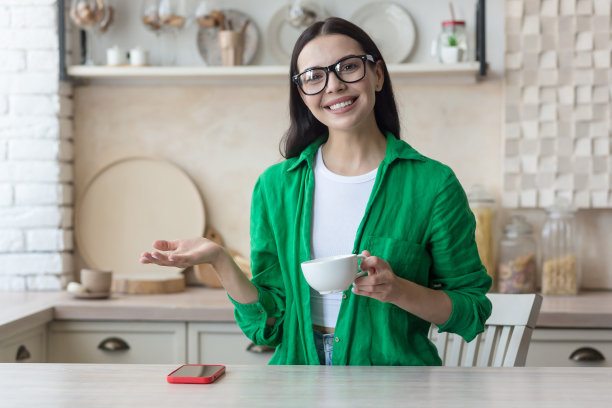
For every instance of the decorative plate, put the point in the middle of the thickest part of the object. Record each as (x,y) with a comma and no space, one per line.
(391,28)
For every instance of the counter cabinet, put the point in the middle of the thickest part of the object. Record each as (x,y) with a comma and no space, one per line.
(29,345)
(551,347)
(138,342)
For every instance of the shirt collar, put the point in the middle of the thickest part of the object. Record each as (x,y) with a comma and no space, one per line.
(396,149)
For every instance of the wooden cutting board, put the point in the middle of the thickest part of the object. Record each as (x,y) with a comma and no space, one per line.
(148,284)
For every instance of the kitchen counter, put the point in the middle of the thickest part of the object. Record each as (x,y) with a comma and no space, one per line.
(101,385)
(20,309)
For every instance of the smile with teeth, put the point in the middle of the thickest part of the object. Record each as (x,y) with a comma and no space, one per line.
(341,105)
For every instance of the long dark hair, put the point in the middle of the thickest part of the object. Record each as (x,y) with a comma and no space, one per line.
(304,127)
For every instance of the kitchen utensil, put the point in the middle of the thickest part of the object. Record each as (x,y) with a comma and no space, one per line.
(231,45)
(208,42)
(90,15)
(128,205)
(391,28)
(301,16)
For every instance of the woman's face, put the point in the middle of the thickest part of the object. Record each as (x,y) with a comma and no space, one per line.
(340,106)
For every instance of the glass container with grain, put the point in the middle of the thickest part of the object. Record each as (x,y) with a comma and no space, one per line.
(560,260)
(482,204)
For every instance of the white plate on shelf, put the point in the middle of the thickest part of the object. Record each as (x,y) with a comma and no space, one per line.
(281,35)
(208,44)
(128,205)
(391,28)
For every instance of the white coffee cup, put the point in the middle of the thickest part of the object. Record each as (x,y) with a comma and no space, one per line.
(332,274)
(139,57)
(114,56)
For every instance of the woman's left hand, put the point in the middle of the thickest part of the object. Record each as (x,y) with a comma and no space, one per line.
(380,283)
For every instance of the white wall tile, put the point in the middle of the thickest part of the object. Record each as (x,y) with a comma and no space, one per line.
(584,7)
(567,7)
(549,8)
(602,7)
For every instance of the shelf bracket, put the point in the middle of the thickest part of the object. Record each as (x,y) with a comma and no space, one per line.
(61,36)
(481,38)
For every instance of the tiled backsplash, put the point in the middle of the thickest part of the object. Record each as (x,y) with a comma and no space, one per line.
(558,108)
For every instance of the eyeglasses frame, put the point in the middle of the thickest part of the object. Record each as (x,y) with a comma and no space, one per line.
(365,57)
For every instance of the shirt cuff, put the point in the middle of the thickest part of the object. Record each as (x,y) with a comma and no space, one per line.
(254,312)
(456,312)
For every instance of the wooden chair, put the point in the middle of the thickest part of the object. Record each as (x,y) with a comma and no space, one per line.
(505,340)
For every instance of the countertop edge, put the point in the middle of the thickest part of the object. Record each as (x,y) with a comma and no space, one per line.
(21,311)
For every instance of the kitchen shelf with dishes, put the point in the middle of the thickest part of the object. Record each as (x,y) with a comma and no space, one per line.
(466,72)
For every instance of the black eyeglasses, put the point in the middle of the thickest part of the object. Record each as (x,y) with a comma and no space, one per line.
(349,69)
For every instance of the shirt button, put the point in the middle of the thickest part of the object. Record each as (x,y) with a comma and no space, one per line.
(344,296)
(337,339)
(261,311)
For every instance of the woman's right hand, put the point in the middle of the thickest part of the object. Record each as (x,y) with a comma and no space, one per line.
(183,253)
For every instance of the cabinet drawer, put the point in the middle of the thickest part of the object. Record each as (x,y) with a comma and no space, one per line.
(222,343)
(553,348)
(28,346)
(117,342)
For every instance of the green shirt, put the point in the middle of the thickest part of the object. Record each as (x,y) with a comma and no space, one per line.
(417,219)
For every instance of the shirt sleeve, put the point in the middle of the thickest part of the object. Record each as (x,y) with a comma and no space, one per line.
(457,268)
(267,279)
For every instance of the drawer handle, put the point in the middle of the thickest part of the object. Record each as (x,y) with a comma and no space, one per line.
(113,344)
(587,354)
(255,348)
(22,353)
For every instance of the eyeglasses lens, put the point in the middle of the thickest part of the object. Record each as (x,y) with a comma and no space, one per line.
(348,70)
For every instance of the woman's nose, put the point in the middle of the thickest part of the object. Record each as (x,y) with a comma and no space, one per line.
(334,84)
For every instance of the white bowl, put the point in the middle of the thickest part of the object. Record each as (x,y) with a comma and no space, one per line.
(332,274)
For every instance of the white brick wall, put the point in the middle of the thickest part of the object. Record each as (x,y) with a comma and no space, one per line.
(36,193)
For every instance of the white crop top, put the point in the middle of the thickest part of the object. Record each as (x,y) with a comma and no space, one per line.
(338,207)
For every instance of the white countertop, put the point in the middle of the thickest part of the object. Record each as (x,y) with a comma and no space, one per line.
(101,385)
(20,309)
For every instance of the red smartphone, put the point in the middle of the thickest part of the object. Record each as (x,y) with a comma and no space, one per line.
(196,374)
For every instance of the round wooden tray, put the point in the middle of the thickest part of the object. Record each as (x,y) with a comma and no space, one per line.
(128,205)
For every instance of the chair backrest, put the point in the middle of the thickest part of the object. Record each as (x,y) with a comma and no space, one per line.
(505,340)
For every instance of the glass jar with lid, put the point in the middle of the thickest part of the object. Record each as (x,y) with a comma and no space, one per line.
(517,258)
(482,204)
(560,261)
(451,46)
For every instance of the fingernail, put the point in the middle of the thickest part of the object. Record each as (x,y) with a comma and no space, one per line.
(171,259)
(154,256)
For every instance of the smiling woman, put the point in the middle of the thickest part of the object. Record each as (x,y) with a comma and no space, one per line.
(349,185)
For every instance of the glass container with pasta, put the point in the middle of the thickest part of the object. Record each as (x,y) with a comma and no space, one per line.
(482,204)
(517,258)
(560,261)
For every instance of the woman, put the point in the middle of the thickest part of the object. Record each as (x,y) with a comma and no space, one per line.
(349,184)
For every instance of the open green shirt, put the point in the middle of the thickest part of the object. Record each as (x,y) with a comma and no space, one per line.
(417,219)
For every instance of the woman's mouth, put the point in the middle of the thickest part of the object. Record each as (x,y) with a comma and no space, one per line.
(341,106)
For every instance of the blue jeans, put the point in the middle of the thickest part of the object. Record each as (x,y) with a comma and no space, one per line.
(325,345)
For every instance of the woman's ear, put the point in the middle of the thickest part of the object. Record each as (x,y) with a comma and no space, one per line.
(380,75)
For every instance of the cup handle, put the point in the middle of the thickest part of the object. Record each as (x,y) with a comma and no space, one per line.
(360,273)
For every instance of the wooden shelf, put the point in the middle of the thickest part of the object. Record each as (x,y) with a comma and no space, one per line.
(430,73)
